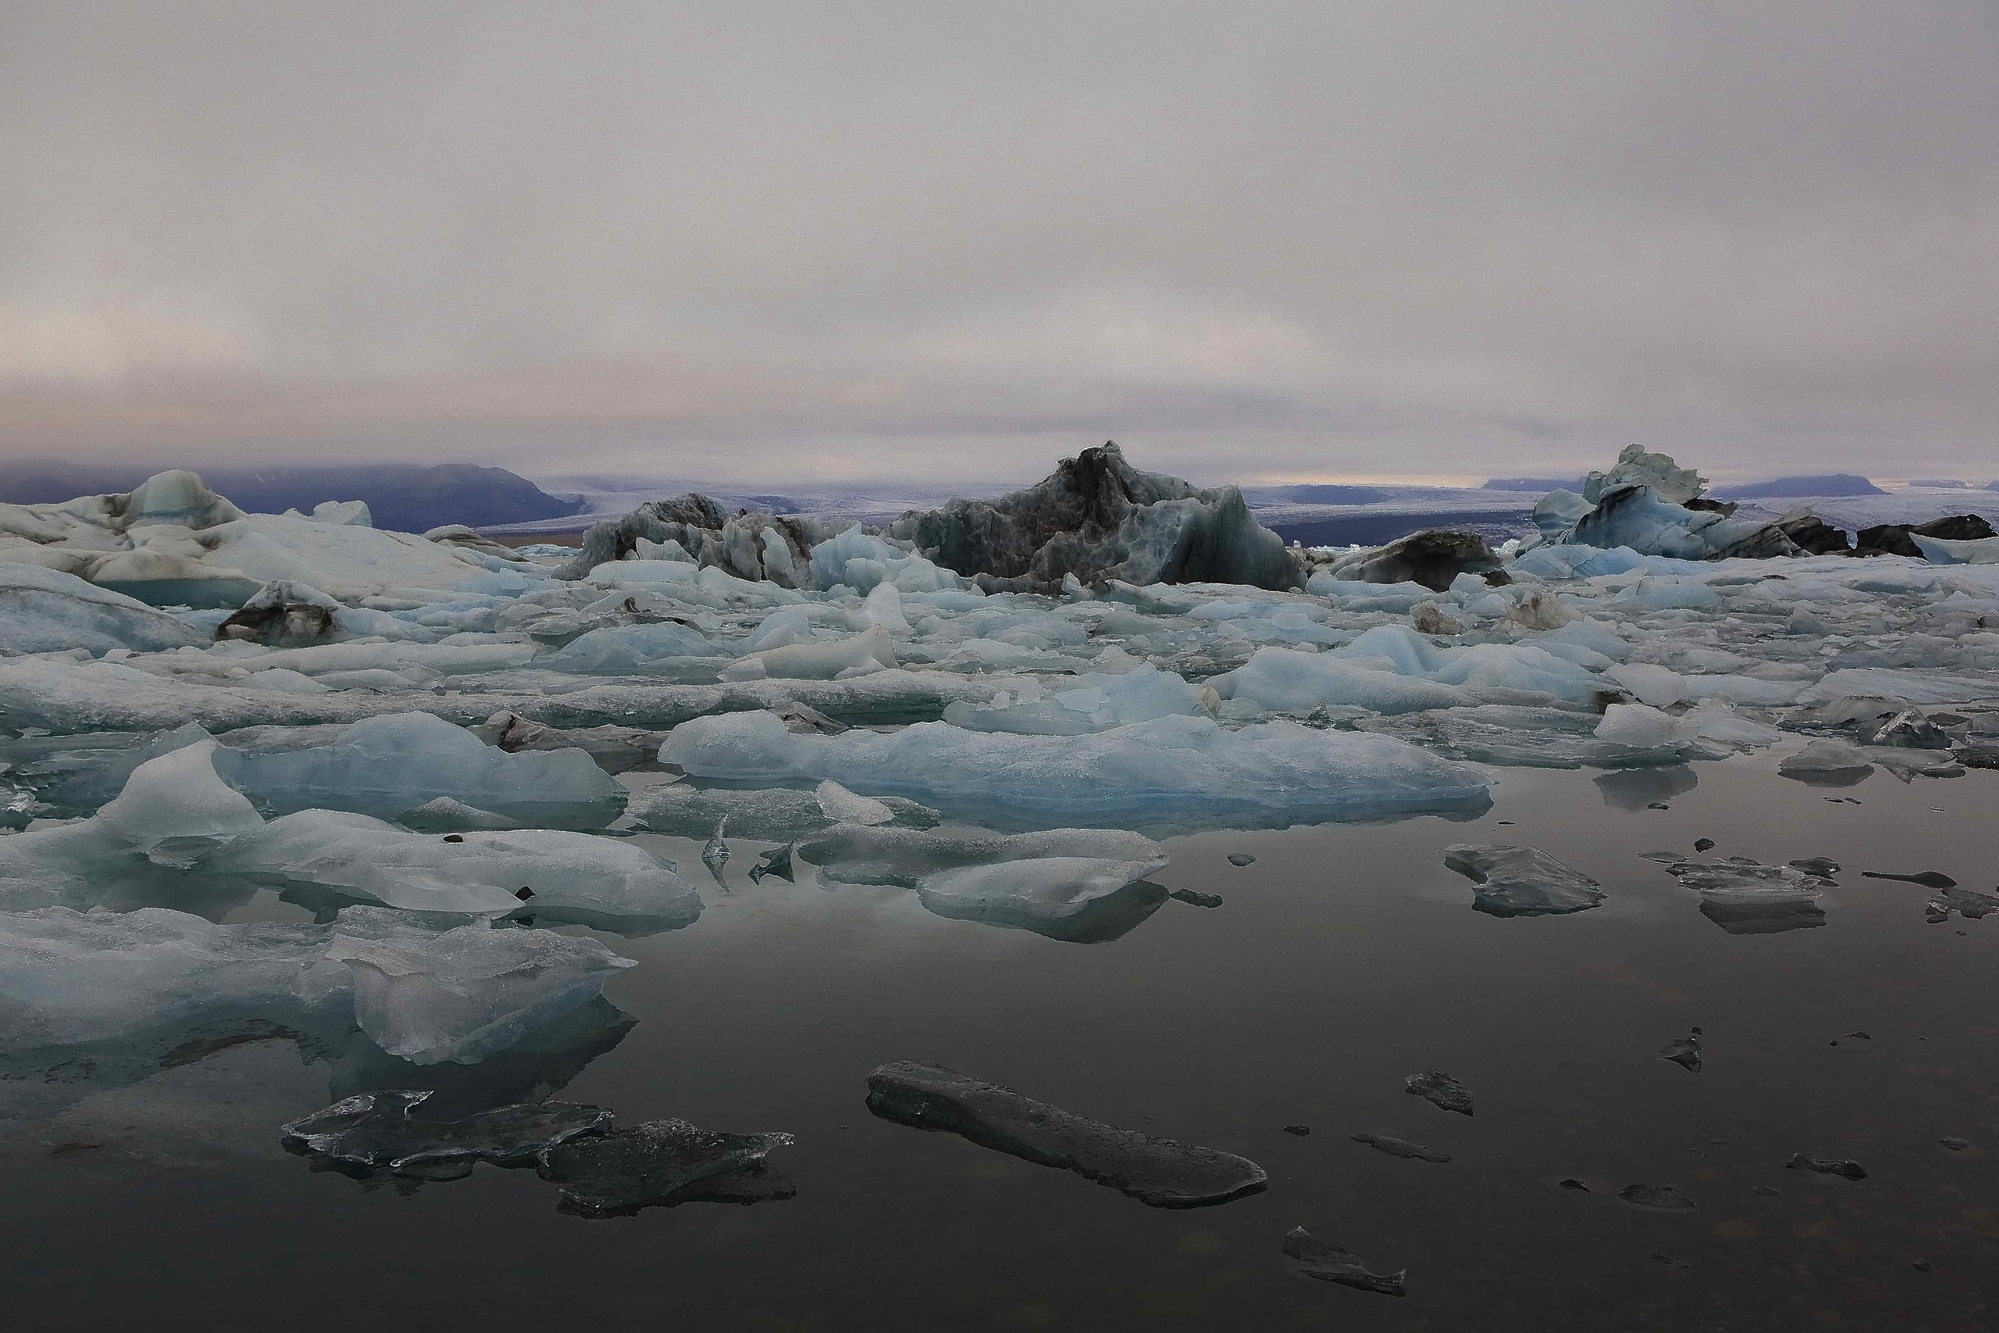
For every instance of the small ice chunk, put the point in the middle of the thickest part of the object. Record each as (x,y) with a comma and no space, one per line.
(471,991)
(1641,727)
(1030,892)
(775,861)
(1440,1090)
(1845,1167)
(1395,1147)
(388,1130)
(1327,1262)
(1741,881)
(1522,881)
(1661,1198)
(1164,1173)
(1826,763)
(657,1163)
(1684,1052)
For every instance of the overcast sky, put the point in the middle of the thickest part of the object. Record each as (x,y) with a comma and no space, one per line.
(954,241)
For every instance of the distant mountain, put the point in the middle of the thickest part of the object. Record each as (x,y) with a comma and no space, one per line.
(402,497)
(1837,483)
(1541,484)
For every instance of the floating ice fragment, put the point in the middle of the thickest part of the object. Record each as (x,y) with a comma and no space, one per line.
(1440,1090)
(855,854)
(1033,894)
(1929,879)
(1663,1198)
(776,861)
(1327,1262)
(844,807)
(1844,1167)
(1240,859)
(1684,1052)
(1395,1147)
(388,1130)
(1522,881)
(660,1163)
(1164,1173)
(471,991)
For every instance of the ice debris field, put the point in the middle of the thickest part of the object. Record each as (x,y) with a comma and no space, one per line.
(439,747)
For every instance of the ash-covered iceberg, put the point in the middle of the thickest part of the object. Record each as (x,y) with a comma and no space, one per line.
(1098,518)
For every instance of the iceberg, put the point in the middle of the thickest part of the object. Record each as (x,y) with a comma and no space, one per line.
(657,1163)
(1153,772)
(387,765)
(568,877)
(44,610)
(1097,518)
(470,991)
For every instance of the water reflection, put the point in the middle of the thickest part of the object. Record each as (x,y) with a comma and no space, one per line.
(1637,788)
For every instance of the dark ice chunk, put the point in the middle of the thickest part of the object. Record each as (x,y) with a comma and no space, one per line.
(776,861)
(1329,1263)
(1929,879)
(1703,844)
(1822,866)
(1684,1052)
(1663,1198)
(1441,1090)
(1521,881)
(1764,918)
(1846,1167)
(1955,1144)
(660,1162)
(384,1130)
(1973,903)
(1670,1261)
(1196,899)
(1164,1173)
(1573,1184)
(1770,1190)
(1300,1130)
(1395,1147)
(1241,859)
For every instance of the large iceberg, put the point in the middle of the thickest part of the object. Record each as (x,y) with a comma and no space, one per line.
(387,765)
(1098,518)
(1166,770)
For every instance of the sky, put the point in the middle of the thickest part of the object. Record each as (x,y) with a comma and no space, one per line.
(824,242)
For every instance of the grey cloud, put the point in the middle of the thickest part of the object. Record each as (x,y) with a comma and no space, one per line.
(776,241)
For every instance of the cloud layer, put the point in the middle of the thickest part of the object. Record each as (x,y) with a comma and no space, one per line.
(802,241)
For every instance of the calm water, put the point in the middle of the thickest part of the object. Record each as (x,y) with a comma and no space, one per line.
(1343,960)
